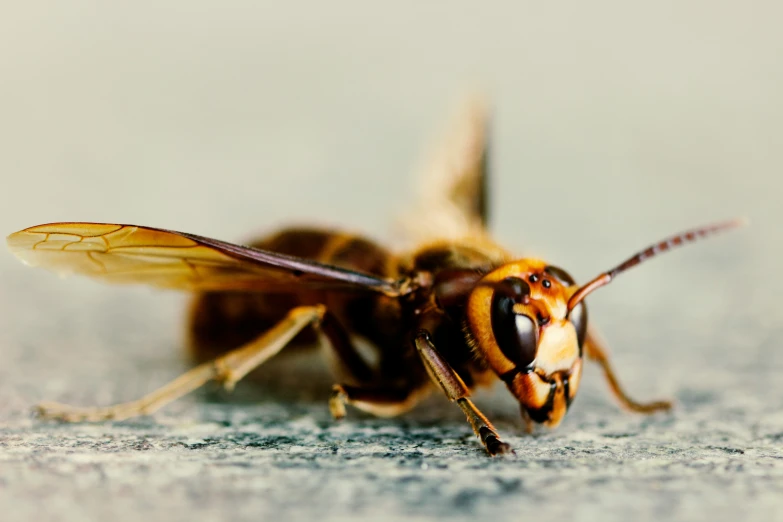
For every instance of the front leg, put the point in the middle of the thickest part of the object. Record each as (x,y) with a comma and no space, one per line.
(597,353)
(444,375)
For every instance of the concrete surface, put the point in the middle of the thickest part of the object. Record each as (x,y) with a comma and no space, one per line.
(615,126)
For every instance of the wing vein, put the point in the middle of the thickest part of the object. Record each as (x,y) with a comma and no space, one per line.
(177,260)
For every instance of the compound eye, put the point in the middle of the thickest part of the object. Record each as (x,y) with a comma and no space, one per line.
(516,334)
(578,317)
(561,275)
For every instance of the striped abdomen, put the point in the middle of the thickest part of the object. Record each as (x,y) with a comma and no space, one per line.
(221,321)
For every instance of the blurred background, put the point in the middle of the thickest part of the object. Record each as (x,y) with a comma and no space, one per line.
(614,124)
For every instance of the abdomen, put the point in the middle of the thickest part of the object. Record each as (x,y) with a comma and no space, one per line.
(222,321)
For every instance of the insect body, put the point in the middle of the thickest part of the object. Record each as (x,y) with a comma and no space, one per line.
(455,314)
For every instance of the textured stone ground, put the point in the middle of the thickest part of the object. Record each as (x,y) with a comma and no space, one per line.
(719,455)
(615,126)
(272,450)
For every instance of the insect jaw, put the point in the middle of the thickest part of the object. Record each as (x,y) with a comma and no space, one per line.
(543,398)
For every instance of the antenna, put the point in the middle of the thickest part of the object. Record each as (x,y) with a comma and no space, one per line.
(667,244)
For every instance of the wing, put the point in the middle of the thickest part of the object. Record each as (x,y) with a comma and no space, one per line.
(176,260)
(453,199)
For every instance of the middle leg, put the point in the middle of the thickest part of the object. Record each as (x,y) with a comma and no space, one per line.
(371,391)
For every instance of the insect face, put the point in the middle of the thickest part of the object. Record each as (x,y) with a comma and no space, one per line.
(520,320)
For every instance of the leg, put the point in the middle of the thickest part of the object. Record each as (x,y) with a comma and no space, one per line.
(340,341)
(441,373)
(381,402)
(595,352)
(227,369)
(370,394)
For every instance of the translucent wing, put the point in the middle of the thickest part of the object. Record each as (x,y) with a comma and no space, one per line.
(452,201)
(176,260)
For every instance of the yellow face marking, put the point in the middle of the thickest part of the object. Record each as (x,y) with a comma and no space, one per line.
(558,347)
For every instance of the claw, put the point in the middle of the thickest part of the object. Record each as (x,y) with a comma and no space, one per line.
(337,402)
(494,445)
